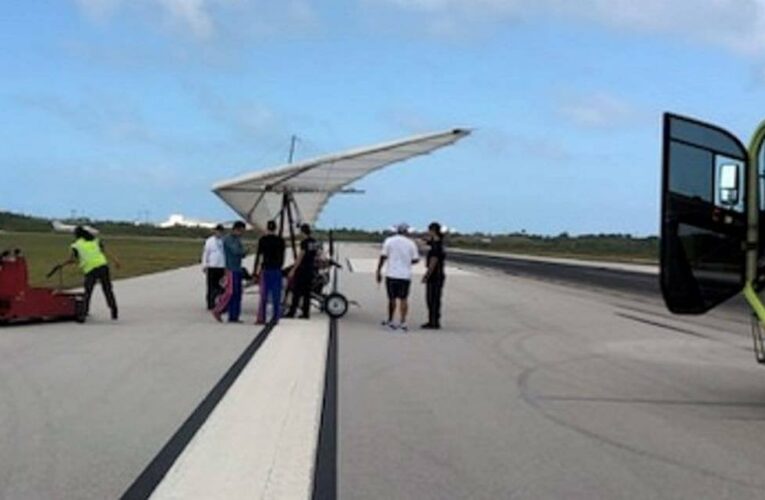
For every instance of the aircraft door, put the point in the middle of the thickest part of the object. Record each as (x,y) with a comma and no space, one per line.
(703,219)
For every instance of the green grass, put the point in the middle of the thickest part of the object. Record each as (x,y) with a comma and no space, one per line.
(138,255)
(146,252)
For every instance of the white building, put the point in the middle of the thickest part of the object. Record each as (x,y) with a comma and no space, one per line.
(180,220)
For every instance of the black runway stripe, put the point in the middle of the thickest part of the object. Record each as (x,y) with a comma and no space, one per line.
(325,467)
(153,474)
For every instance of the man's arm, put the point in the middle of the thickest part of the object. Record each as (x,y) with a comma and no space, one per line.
(432,264)
(297,264)
(381,261)
(71,260)
(243,250)
(206,256)
(380,264)
(282,251)
(256,267)
(415,253)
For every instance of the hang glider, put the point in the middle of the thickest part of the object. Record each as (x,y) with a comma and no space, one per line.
(299,191)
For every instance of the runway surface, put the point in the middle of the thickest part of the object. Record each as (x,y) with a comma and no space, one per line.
(632,279)
(84,408)
(538,390)
(534,389)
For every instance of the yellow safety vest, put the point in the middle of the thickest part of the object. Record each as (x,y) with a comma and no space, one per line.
(90,255)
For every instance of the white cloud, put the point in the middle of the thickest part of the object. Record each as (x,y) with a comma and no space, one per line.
(596,110)
(98,9)
(246,120)
(737,25)
(193,14)
(205,19)
(102,118)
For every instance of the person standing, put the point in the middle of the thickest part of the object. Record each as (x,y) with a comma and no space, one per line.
(435,276)
(302,273)
(214,265)
(268,271)
(90,254)
(400,253)
(230,300)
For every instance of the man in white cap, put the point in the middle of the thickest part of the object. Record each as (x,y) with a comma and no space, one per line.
(399,253)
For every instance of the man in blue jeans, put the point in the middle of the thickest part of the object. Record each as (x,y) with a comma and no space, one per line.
(231,298)
(268,271)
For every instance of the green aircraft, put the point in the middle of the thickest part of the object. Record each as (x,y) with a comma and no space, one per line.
(713,198)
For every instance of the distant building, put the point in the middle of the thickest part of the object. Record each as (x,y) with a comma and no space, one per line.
(176,220)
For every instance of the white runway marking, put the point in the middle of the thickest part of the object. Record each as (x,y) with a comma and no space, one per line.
(369,266)
(260,441)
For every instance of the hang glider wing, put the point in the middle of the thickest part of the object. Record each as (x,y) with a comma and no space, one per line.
(259,196)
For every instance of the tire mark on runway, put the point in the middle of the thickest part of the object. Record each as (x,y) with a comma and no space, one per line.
(153,474)
(665,326)
(681,330)
(534,402)
(646,401)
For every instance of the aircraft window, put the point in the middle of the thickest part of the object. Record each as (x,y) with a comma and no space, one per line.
(705,137)
(703,221)
(691,171)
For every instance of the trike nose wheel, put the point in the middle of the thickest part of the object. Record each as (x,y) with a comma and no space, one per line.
(336,305)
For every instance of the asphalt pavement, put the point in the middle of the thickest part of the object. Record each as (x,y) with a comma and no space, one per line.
(85,408)
(536,389)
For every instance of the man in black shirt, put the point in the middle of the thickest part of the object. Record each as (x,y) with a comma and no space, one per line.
(268,272)
(302,274)
(434,276)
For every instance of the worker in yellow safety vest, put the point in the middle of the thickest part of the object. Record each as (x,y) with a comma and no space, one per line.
(89,253)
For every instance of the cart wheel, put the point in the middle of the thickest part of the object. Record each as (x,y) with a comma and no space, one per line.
(336,305)
(79,311)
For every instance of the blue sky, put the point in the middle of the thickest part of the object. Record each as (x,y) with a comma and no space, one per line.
(114,108)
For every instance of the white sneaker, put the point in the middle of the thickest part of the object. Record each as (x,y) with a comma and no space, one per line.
(388,324)
(403,327)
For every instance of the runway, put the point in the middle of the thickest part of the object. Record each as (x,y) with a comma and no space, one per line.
(642,279)
(538,390)
(86,407)
(534,389)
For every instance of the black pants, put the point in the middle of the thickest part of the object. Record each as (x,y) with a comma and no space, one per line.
(301,294)
(214,275)
(100,274)
(433,290)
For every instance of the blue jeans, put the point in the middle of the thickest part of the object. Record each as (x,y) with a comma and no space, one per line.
(271,289)
(235,303)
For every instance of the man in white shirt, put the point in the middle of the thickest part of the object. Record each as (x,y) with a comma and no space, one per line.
(399,253)
(214,265)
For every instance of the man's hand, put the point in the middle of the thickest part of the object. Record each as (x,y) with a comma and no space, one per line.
(379,277)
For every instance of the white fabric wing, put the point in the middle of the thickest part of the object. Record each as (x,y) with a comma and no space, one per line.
(257,197)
